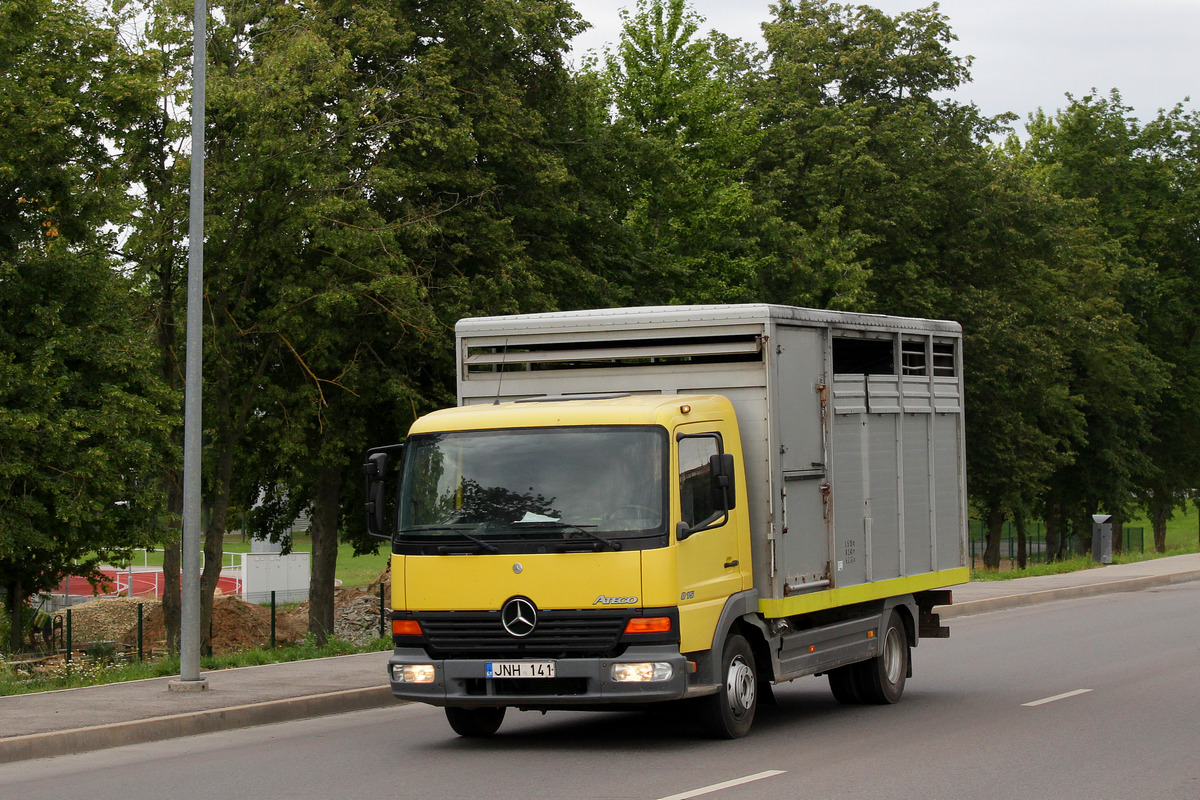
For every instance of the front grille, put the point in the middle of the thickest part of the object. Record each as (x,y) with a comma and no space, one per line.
(559,634)
(544,687)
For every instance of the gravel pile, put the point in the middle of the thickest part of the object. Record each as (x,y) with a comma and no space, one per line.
(356,616)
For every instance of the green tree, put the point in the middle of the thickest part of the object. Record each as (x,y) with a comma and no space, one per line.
(862,165)
(375,172)
(159,35)
(891,200)
(1142,180)
(82,427)
(686,134)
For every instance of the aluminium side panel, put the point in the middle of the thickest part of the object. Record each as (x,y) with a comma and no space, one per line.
(799,480)
(896,455)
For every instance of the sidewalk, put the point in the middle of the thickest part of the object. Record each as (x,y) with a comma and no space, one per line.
(983,596)
(92,718)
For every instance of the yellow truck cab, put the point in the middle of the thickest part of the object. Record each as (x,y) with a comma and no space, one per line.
(641,505)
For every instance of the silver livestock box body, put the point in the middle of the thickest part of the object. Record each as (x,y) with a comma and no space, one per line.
(851,424)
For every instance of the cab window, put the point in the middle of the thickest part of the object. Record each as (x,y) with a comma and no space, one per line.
(698,504)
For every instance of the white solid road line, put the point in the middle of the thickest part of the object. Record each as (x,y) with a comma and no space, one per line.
(1062,696)
(716,787)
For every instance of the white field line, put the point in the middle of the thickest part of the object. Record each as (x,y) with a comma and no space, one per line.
(716,787)
(1062,696)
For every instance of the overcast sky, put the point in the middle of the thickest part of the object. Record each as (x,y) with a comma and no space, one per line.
(1028,53)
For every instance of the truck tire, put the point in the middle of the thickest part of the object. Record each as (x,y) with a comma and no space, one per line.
(881,679)
(729,713)
(843,682)
(475,722)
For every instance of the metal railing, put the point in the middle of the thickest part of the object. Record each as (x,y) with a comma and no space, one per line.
(1036,550)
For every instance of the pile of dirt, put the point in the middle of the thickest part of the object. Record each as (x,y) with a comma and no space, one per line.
(108,619)
(236,625)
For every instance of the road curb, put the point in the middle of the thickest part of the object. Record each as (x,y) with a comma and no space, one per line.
(972,607)
(100,737)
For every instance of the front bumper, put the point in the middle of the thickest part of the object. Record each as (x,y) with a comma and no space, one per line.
(577,682)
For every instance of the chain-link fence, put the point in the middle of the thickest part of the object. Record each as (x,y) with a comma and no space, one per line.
(135,626)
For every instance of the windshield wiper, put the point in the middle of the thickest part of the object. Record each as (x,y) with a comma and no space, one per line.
(487,547)
(567,526)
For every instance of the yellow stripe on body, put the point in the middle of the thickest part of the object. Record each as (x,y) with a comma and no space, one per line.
(861,593)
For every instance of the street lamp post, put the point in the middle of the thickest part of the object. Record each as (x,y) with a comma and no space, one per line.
(189,636)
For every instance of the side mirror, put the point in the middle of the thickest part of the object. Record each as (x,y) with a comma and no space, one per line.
(721,467)
(724,499)
(375,470)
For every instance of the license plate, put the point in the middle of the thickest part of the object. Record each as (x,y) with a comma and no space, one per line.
(520,669)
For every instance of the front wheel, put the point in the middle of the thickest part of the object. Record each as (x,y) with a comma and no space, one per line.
(729,713)
(475,722)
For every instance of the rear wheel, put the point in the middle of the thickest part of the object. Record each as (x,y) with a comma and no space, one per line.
(729,713)
(475,722)
(881,680)
(843,683)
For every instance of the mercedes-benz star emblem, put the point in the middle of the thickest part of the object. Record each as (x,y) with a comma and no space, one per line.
(519,617)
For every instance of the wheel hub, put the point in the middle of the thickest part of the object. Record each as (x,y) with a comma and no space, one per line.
(740,687)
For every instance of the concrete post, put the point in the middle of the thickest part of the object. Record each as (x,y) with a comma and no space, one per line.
(1102,538)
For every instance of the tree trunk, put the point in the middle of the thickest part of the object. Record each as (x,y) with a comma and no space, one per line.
(1056,544)
(214,532)
(214,546)
(995,529)
(1019,520)
(16,605)
(172,560)
(1196,503)
(1160,512)
(326,510)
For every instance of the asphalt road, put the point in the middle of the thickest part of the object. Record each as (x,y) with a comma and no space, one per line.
(1095,699)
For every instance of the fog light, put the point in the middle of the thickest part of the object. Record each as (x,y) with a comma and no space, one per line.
(648,672)
(413,673)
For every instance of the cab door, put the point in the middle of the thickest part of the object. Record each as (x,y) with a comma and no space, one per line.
(708,556)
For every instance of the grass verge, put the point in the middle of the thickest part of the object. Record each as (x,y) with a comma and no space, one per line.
(24,677)
(1073,565)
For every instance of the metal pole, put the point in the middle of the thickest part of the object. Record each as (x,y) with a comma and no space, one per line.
(189,645)
(382,612)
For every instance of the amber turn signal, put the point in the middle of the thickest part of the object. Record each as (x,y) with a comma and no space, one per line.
(406,627)
(648,625)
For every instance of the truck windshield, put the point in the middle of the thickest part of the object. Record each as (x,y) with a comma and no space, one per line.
(571,488)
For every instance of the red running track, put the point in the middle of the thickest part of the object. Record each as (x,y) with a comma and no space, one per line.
(146,583)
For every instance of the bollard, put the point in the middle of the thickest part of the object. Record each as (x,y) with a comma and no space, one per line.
(1102,538)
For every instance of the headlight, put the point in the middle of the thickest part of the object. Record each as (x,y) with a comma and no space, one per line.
(413,673)
(648,672)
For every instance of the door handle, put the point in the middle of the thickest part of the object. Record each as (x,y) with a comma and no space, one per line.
(733,563)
